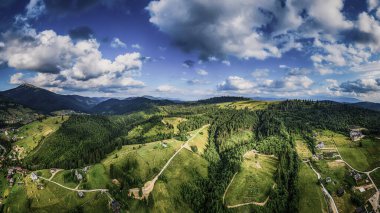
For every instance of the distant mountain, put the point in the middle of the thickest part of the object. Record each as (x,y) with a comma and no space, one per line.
(222,99)
(116,106)
(45,101)
(368,105)
(336,99)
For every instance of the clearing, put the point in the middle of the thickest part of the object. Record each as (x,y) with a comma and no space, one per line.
(254,182)
(310,193)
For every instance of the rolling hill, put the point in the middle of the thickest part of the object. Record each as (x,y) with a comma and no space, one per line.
(116,106)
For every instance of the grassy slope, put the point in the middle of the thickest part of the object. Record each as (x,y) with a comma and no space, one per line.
(149,156)
(200,141)
(35,131)
(173,121)
(362,158)
(252,183)
(185,168)
(302,149)
(376,177)
(336,171)
(59,179)
(310,193)
(237,138)
(251,105)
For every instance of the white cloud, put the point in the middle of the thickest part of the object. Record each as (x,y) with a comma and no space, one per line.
(117,43)
(235,83)
(202,72)
(372,4)
(260,73)
(166,88)
(61,62)
(16,78)
(136,46)
(232,30)
(329,15)
(226,62)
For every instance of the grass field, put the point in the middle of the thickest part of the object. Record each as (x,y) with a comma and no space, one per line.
(200,141)
(376,177)
(310,193)
(173,121)
(57,199)
(251,105)
(186,167)
(97,177)
(362,158)
(254,182)
(59,178)
(302,149)
(237,138)
(336,171)
(34,132)
(150,157)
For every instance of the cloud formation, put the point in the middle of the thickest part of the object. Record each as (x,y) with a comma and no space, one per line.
(61,62)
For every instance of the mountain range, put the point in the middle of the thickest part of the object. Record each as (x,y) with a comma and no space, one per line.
(45,101)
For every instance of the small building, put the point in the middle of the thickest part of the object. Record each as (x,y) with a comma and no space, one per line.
(78,175)
(53,170)
(357,177)
(80,194)
(40,186)
(355,134)
(340,192)
(34,176)
(320,145)
(115,205)
(328,179)
(361,189)
(11,182)
(164,144)
(360,210)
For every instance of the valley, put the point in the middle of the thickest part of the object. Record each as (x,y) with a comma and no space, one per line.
(224,154)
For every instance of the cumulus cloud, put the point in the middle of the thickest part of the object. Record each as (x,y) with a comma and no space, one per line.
(136,46)
(166,88)
(202,72)
(188,63)
(260,73)
(221,29)
(64,63)
(295,83)
(117,43)
(360,86)
(235,83)
(245,28)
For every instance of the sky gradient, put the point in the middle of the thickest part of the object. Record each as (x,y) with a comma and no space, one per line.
(193,49)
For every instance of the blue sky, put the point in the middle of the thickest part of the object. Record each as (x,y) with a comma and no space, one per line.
(193,49)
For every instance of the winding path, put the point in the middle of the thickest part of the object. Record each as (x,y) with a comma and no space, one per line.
(249,203)
(72,189)
(148,186)
(332,202)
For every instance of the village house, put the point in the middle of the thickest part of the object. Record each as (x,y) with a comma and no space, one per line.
(320,145)
(164,144)
(115,205)
(80,194)
(356,134)
(33,176)
(11,182)
(78,175)
(328,179)
(53,170)
(340,192)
